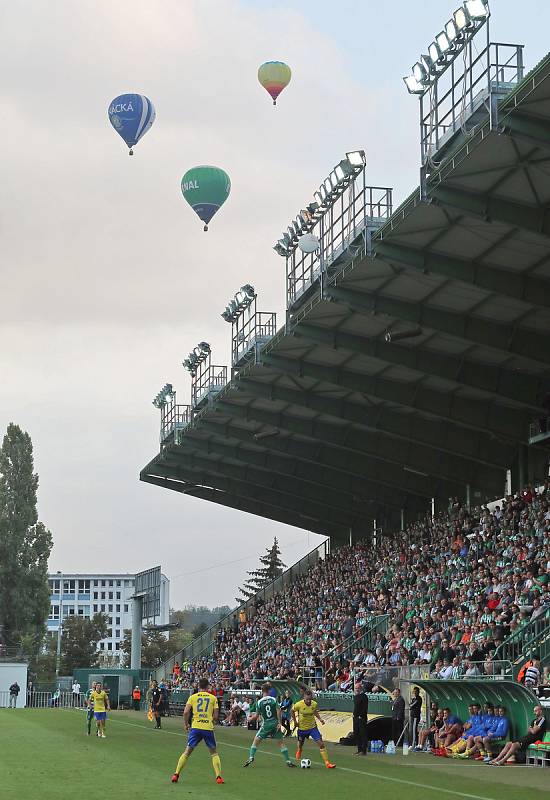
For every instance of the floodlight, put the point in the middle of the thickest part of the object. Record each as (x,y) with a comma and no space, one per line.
(357,158)
(477,9)
(333,177)
(451,30)
(328,186)
(278,249)
(413,85)
(340,174)
(434,52)
(291,232)
(346,167)
(420,73)
(318,199)
(443,42)
(323,193)
(305,217)
(313,207)
(298,224)
(429,65)
(461,19)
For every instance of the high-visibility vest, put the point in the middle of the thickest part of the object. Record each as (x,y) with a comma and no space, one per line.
(136,694)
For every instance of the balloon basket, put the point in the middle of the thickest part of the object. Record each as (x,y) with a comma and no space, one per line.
(205,228)
(130,152)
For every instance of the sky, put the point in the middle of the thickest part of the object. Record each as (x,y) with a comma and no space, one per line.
(107,280)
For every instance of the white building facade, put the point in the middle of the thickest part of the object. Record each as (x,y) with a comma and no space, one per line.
(87,594)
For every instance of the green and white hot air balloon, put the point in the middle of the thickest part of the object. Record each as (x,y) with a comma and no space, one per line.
(206,189)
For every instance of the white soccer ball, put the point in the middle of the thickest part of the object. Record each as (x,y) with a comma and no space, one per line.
(305,763)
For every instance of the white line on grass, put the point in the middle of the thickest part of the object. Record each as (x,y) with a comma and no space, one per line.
(376,775)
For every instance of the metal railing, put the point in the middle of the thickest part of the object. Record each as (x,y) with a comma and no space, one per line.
(203,645)
(55,699)
(175,418)
(347,649)
(248,337)
(473,83)
(207,384)
(357,212)
(531,638)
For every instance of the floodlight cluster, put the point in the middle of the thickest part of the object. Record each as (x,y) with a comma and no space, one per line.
(164,396)
(242,300)
(464,23)
(331,188)
(197,356)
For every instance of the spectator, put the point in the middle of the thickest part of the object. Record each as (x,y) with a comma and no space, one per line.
(14,694)
(532,674)
(535,733)
(76,693)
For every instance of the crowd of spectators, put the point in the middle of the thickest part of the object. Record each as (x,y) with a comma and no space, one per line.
(453,587)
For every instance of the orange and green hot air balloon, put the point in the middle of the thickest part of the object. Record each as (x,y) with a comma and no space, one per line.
(274,76)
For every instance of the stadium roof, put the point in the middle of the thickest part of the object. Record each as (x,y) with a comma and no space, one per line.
(353,427)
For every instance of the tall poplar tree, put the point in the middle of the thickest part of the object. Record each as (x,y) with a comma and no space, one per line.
(25,544)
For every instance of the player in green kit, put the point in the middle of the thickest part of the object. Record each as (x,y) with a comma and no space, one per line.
(267,709)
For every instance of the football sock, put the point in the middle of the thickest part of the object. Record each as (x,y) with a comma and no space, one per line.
(298,753)
(324,754)
(253,749)
(181,763)
(284,753)
(217,764)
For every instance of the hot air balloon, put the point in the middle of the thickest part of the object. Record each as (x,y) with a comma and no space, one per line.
(131,115)
(274,76)
(206,189)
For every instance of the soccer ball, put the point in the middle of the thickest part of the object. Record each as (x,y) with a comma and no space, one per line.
(305,763)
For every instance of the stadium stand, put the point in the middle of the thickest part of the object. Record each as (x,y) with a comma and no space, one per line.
(448,593)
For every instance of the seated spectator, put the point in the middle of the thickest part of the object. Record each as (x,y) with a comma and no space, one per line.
(535,733)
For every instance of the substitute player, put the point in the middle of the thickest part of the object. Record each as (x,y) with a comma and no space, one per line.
(205,710)
(100,700)
(90,708)
(270,714)
(304,716)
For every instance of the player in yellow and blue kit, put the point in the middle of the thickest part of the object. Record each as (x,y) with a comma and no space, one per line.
(204,709)
(305,716)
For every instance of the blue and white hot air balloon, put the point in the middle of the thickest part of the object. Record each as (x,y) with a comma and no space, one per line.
(131,115)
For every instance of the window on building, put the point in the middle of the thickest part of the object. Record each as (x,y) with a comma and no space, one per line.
(103,583)
(109,645)
(118,583)
(110,595)
(70,611)
(118,634)
(83,586)
(117,621)
(68,587)
(110,583)
(96,583)
(125,608)
(96,594)
(118,595)
(117,645)
(118,607)
(95,609)
(103,608)
(103,595)
(54,586)
(54,612)
(102,645)
(127,583)
(110,633)
(110,607)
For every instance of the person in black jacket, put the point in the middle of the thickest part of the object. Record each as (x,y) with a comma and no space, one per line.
(397,716)
(415,712)
(361,714)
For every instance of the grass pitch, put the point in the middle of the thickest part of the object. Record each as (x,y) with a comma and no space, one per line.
(45,754)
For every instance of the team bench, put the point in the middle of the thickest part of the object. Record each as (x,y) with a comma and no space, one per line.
(539,754)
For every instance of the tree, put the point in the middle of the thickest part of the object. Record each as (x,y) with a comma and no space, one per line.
(271,568)
(79,641)
(155,648)
(198,630)
(25,544)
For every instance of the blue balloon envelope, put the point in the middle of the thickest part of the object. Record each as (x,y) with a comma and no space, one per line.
(131,115)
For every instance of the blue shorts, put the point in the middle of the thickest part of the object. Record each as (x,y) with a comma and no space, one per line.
(315,734)
(100,716)
(196,735)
